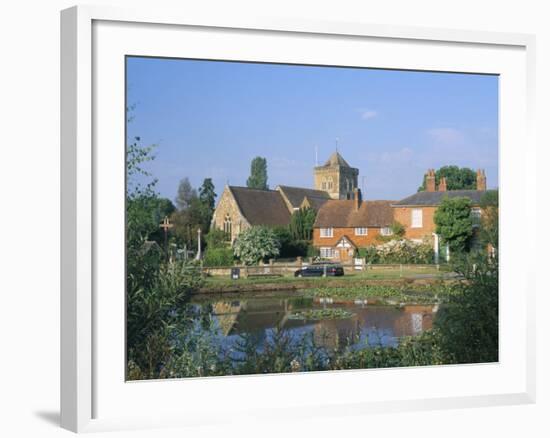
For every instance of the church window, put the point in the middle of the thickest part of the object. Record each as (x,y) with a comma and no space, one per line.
(227,227)
(324,184)
(330,184)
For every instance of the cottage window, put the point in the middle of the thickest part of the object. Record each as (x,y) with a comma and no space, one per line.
(326,253)
(361,231)
(386,231)
(416,219)
(227,225)
(326,232)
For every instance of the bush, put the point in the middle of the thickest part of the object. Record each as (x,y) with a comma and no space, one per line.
(468,323)
(311,251)
(397,233)
(216,239)
(289,246)
(218,257)
(398,251)
(256,244)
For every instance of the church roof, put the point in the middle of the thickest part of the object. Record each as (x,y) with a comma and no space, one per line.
(261,207)
(342,214)
(336,160)
(296,195)
(435,198)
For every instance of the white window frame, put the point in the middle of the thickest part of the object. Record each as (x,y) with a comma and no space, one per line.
(326,252)
(386,231)
(326,232)
(359,231)
(417,222)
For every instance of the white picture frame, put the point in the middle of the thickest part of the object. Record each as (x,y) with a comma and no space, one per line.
(92,394)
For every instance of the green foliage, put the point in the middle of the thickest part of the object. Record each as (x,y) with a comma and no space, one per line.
(186,193)
(207,197)
(218,257)
(258,174)
(369,253)
(467,325)
(155,309)
(454,223)
(194,212)
(318,314)
(489,221)
(216,238)
(288,245)
(256,244)
(301,224)
(457,178)
(397,233)
(425,294)
(313,252)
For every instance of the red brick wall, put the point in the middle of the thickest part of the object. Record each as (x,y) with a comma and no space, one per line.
(403,215)
(338,233)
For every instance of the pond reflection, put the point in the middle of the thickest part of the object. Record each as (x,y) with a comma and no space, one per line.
(371,323)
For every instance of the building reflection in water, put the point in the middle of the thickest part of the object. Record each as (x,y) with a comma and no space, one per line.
(370,325)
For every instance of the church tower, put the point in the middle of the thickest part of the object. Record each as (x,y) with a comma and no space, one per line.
(336,177)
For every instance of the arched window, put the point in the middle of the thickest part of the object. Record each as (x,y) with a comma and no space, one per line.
(227,227)
(324,184)
(330,184)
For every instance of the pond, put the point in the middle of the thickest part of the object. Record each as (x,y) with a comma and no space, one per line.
(333,323)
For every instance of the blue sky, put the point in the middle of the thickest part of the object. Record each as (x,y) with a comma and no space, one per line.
(209,119)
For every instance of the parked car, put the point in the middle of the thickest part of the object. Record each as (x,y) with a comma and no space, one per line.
(320,269)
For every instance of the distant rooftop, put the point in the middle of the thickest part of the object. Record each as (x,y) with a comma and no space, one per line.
(434,198)
(336,160)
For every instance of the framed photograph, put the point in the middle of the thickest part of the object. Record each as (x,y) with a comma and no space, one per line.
(282,217)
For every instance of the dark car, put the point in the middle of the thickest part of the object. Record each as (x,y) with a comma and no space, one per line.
(320,270)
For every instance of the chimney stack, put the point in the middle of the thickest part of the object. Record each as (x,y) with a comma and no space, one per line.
(430,180)
(357,198)
(442,184)
(481,182)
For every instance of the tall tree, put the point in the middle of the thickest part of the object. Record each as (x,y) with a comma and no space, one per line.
(301,223)
(258,174)
(453,222)
(185,195)
(457,178)
(207,196)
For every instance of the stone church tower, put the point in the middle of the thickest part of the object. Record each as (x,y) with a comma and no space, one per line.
(336,177)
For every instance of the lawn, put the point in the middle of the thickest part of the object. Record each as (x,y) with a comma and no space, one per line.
(375,273)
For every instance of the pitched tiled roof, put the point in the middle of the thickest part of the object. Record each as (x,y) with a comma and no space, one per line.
(316,203)
(336,160)
(261,207)
(435,198)
(342,214)
(296,195)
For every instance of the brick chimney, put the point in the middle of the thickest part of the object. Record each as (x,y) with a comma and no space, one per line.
(481,180)
(430,180)
(357,198)
(442,184)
